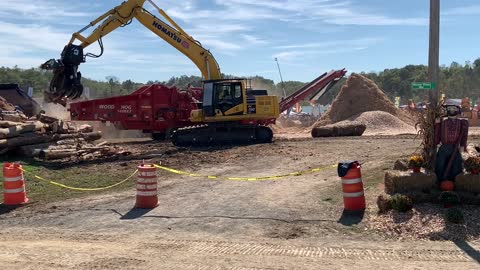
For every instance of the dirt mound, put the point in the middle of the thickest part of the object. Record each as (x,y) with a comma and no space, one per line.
(380,122)
(5,106)
(360,94)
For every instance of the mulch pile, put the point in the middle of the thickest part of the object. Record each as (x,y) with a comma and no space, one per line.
(361,100)
(427,222)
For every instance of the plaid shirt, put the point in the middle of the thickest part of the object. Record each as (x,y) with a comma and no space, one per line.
(449,130)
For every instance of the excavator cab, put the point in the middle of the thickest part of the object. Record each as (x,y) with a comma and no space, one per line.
(223,97)
(230,100)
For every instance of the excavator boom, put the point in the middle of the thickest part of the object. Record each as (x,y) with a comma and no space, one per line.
(66,81)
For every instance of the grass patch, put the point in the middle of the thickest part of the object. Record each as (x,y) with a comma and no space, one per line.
(81,176)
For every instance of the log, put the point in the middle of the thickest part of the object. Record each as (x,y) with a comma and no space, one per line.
(102,143)
(16,131)
(71,141)
(25,139)
(353,129)
(12,117)
(91,136)
(85,128)
(48,154)
(33,138)
(46,119)
(33,150)
(39,126)
(7,124)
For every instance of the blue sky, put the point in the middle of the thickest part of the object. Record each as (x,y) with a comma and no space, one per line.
(308,37)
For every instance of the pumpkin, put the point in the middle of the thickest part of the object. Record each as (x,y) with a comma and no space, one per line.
(447,185)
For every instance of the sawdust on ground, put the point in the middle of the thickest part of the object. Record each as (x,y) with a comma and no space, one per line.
(380,123)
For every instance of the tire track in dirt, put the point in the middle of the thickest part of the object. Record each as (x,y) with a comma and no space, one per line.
(252,249)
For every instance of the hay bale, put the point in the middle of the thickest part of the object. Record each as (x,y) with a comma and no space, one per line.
(401,165)
(405,181)
(351,129)
(467,183)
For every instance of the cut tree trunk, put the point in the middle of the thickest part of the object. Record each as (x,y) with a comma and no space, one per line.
(354,129)
(71,141)
(33,150)
(47,119)
(32,138)
(48,154)
(7,124)
(15,131)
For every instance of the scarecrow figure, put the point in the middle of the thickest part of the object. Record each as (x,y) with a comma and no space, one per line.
(452,133)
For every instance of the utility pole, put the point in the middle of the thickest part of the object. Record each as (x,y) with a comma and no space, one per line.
(434,47)
(433,74)
(281,79)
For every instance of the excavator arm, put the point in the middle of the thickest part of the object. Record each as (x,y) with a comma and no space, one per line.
(66,81)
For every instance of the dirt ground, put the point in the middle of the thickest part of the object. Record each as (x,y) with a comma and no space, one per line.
(291,223)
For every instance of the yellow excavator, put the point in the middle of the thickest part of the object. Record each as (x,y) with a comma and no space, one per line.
(230,112)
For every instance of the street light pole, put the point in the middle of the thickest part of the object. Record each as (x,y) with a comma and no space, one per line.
(281,79)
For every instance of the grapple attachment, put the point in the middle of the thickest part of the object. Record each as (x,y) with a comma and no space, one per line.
(66,80)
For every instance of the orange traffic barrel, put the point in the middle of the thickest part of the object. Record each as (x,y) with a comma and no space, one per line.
(14,192)
(147,196)
(352,185)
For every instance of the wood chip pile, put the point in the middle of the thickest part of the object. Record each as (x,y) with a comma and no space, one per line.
(49,138)
(361,100)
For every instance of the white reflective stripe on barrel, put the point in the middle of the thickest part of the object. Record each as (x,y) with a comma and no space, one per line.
(351,181)
(352,195)
(154,186)
(146,193)
(147,180)
(154,173)
(13,179)
(16,190)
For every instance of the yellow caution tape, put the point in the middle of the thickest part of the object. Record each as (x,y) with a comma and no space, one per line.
(85,189)
(275,177)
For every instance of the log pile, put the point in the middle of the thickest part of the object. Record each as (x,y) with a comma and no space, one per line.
(49,138)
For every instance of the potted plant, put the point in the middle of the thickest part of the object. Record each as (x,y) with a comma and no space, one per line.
(472,165)
(415,163)
(449,199)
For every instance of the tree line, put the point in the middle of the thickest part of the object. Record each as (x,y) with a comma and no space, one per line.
(456,81)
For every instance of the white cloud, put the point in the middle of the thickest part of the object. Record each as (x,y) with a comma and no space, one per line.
(32,37)
(328,11)
(253,40)
(40,10)
(325,44)
(466,10)
(292,56)
(289,55)
(225,47)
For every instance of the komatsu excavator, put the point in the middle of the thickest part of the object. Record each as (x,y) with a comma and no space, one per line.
(230,111)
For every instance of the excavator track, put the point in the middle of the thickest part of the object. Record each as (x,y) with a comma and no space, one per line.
(222,134)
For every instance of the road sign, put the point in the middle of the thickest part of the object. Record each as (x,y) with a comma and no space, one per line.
(423,85)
